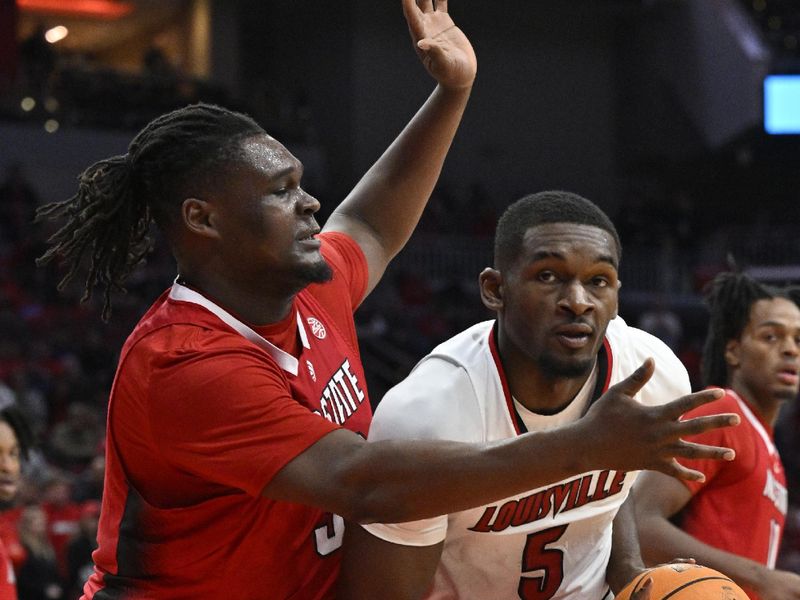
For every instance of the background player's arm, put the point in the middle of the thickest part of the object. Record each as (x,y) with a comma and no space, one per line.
(625,562)
(374,568)
(383,209)
(657,498)
(395,481)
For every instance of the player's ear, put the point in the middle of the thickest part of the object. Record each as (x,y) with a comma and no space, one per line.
(732,353)
(199,217)
(491,284)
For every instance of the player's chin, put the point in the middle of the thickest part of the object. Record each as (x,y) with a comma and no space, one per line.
(785,393)
(566,366)
(317,271)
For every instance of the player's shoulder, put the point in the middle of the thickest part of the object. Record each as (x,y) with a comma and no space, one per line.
(183,335)
(633,345)
(438,399)
(466,347)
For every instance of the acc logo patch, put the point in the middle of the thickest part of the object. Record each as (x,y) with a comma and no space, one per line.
(317,328)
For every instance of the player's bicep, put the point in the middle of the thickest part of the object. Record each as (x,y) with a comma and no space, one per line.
(313,476)
(374,568)
(367,238)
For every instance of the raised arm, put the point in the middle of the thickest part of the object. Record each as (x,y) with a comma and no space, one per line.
(657,498)
(383,209)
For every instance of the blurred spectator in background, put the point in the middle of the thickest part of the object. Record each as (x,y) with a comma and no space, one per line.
(38,577)
(63,516)
(661,321)
(73,442)
(89,483)
(15,439)
(18,203)
(80,548)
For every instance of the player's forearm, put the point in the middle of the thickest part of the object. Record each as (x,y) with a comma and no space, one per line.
(662,542)
(392,195)
(625,562)
(395,481)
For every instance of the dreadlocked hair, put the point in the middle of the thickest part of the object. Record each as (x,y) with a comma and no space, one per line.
(730,298)
(109,219)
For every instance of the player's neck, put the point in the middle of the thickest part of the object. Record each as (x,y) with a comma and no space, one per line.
(543,394)
(253,307)
(766,408)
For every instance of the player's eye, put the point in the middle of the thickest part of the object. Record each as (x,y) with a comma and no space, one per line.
(546,277)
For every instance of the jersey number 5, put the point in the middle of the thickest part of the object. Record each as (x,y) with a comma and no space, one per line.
(328,537)
(538,557)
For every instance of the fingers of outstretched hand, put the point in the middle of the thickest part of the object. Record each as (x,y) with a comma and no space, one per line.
(701,451)
(413,17)
(636,380)
(682,405)
(698,425)
(677,470)
(424,20)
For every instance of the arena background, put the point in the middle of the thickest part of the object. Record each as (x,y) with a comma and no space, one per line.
(652,108)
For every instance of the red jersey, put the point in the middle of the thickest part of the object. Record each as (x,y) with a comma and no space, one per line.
(741,507)
(200,419)
(8,583)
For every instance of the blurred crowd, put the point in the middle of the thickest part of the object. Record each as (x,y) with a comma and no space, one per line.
(57,360)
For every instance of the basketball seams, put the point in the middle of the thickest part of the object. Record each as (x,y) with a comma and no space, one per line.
(640,583)
(670,580)
(691,583)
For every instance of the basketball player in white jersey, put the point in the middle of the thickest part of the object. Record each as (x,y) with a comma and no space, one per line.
(556,345)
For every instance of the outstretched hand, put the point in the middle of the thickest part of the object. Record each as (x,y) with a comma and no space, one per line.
(443,48)
(630,436)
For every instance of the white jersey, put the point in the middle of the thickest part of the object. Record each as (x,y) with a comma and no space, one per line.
(550,542)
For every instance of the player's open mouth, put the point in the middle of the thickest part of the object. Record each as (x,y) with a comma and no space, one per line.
(574,336)
(788,376)
(310,239)
(574,341)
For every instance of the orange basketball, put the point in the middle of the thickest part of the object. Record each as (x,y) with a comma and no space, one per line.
(680,581)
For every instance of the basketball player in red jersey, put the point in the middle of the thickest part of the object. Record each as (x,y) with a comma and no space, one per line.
(15,440)
(237,415)
(733,521)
